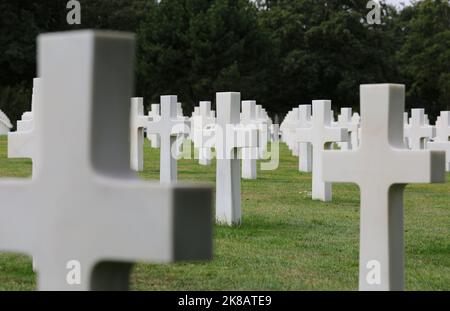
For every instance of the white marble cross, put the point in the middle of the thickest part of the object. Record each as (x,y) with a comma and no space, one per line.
(305,148)
(443,127)
(442,138)
(263,131)
(345,120)
(154,114)
(418,132)
(84,216)
(249,155)
(230,137)
(290,124)
(138,122)
(203,123)
(354,136)
(183,135)
(168,127)
(22,143)
(381,167)
(321,135)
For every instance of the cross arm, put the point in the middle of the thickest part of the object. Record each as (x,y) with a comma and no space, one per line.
(20,144)
(419,166)
(155,223)
(341,166)
(336,134)
(304,135)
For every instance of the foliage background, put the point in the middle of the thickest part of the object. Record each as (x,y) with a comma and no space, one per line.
(284,54)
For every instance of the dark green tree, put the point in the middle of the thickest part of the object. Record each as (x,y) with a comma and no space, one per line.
(424,56)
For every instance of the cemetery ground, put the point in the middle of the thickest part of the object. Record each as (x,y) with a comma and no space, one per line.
(286,241)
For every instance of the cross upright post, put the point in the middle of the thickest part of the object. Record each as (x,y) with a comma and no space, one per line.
(230,137)
(305,152)
(249,155)
(382,167)
(168,127)
(321,135)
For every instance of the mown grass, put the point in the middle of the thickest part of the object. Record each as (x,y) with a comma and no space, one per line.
(286,241)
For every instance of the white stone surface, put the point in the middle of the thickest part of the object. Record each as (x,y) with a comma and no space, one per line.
(249,155)
(305,149)
(168,127)
(442,138)
(138,122)
(22,143)
(381,167)
(321,135)
(204,123)
(83,203)
(418,132)
(345,120)
(443,127)
(230,137)
(154,114)
(263,131)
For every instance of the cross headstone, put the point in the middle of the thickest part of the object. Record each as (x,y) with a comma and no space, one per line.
(290,124)
(84,207)
(263,131)
(321,135)
(382,166)
(138,122)
(345,120)
(204,121)
(305,152)
(405,128)
(154,114)
(181,137)
(354,136)
(230,137)
(168,128)
(249,155)
(442,138)
(22,143)
(417,131)
(443,127)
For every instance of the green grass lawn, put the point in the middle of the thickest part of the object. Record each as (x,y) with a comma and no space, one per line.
(286,241)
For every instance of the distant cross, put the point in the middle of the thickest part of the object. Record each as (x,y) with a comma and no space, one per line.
(84,204)
(382,167)
(345,121)
(321,135)
(305,152)
(405,128)
(154,114)
(193,121)
(291,123)
(181,137)
(263,132)
(442,138)
(354,136)
(22,143)
(443,127)
(205,120)
(230,137)
(138,122)
(249,155)
(168,128)
(418,132)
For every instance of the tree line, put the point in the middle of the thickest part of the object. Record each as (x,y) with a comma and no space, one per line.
(282,54)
